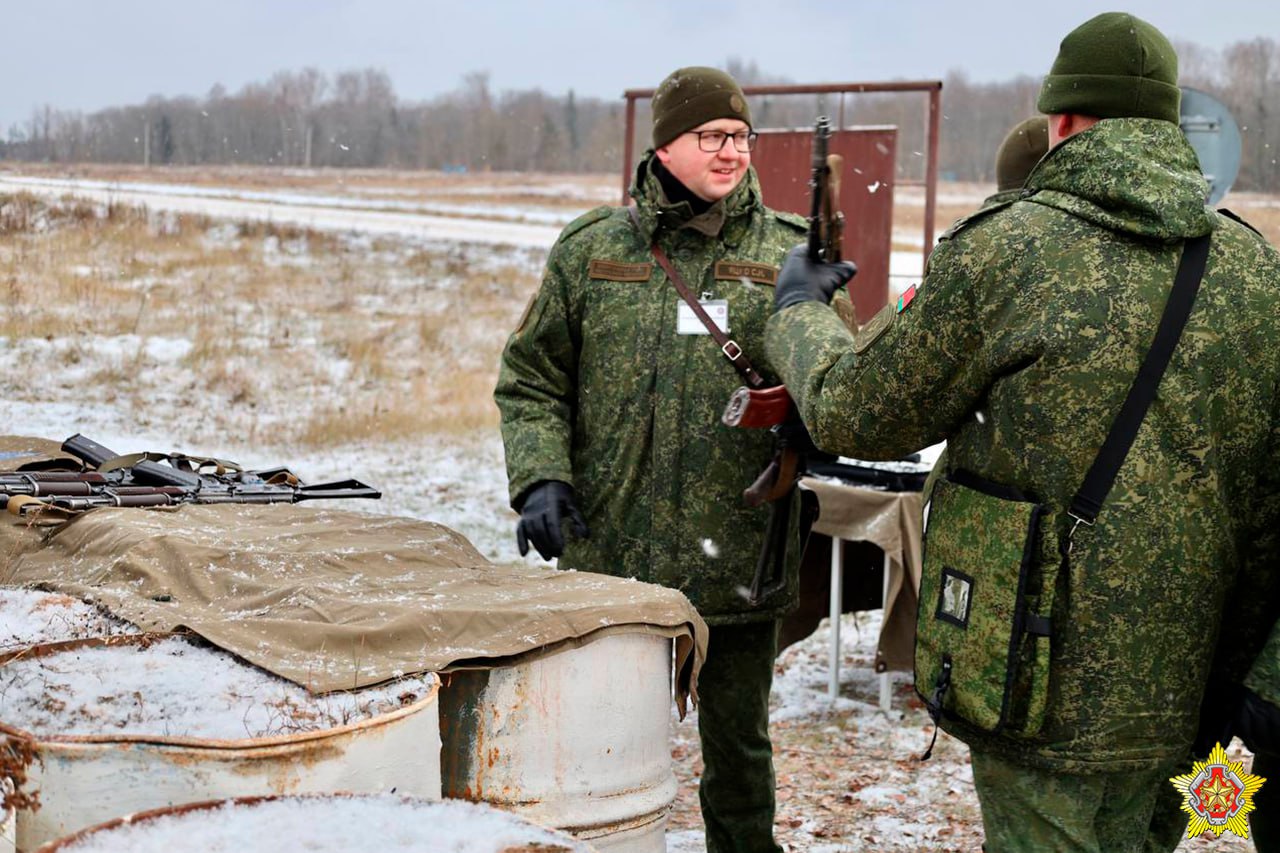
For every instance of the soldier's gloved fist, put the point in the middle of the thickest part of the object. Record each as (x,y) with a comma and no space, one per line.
(802,280)
(546,506)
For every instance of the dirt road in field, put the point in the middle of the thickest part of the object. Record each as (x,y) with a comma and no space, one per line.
(325,214)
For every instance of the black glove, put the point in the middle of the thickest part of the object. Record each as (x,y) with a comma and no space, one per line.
(801,280)
(1257,723)
(545,507)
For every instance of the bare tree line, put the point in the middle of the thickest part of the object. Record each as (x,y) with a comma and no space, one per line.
(355,119)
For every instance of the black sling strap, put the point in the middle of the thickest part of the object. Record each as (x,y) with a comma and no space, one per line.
(1102,475)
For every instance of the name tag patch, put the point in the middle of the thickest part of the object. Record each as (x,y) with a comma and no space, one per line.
(687,322)
(618,271)
(738,270)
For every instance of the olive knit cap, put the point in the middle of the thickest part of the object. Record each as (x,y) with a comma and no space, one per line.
(1113,66)
(692,96)
(1020,152)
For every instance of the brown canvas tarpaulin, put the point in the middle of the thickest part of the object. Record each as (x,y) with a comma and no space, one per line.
(892,521)
(329,598)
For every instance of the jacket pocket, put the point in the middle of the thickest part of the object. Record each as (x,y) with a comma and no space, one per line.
(982,628)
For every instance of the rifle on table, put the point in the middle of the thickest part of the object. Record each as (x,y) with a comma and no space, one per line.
(773,408)
(149,479)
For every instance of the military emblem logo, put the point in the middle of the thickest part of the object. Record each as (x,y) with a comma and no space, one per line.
(1219,795)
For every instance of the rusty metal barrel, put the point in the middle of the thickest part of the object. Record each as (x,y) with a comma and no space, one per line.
(83,779)
(577,740)
(321,823)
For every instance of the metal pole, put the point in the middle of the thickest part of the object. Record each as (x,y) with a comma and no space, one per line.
(837,598)
(628,146)
(931,176)
(885,698)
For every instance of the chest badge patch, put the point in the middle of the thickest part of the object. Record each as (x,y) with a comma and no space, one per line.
(618,271)
(1218,795)
(738,270)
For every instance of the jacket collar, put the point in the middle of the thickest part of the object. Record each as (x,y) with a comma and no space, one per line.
(727,218)
(1135,176)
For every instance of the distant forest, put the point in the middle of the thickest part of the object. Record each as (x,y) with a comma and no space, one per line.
(355,119)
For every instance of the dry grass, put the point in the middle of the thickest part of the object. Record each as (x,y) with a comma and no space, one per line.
(321,339)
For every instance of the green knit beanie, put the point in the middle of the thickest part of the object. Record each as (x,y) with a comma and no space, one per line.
(1020,152)
(692,96)
(1113,66)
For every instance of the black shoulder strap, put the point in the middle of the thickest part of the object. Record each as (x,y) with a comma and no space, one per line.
(1102,475)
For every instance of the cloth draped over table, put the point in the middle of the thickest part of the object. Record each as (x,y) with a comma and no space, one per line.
(331,599)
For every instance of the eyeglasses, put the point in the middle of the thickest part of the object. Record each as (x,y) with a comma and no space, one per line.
(711,141)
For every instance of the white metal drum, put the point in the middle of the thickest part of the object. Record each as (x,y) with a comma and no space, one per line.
(577,740)
(332,823)
(86,779)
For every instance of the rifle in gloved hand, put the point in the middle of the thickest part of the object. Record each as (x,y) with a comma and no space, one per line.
(773,408)
(150,479)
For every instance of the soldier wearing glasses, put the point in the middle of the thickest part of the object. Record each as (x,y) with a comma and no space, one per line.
(611,391)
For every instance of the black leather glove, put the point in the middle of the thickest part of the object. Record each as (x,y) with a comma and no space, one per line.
(546,505)
(801,280)
(1257,723)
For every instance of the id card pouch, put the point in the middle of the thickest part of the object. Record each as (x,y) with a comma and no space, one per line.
(982,650)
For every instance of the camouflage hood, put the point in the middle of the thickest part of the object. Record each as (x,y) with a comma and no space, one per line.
(730,215)
(1160,197)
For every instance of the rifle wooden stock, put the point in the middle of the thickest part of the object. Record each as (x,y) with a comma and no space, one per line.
(758,408)
(777,479)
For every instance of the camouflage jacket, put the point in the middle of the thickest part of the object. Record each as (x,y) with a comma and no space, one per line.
(1018,351)
(597,389)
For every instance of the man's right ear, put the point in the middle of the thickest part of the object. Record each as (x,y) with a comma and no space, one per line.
(664,154)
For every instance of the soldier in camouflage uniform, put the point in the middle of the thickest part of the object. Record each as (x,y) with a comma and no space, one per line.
(610,417)
(1018,351)
(1019,152)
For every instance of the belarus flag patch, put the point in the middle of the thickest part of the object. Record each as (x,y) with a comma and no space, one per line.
(905,299)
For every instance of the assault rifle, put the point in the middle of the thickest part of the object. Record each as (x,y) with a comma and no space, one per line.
(148,479)
(773,408)
(768,407)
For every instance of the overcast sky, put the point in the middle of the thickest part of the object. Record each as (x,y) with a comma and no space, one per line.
(90,54)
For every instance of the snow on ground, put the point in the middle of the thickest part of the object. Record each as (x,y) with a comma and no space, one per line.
(306,215)
(131,189)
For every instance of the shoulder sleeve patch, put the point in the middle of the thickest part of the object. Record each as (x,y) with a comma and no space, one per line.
(528,309)
(874,328)
(979,214)
(589,218)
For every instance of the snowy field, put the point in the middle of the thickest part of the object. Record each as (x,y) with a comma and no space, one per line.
(348,337)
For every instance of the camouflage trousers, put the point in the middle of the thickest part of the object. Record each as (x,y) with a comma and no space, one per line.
(737,788)
(1028,809)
